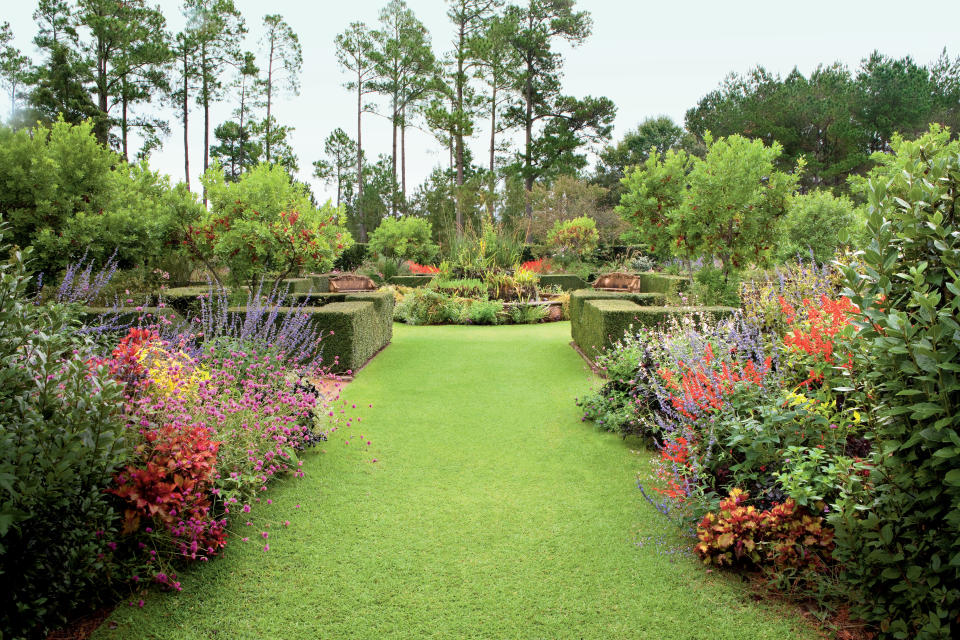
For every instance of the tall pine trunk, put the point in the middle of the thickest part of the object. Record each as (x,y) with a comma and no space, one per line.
(123,118)
(362,228)
(186,114)
(528,139)
(243,136)
(269,98)
(102,127)
(493,146)
(206,115)
(393,160)
(403,156)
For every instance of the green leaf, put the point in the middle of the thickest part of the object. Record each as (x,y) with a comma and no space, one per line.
(952,478)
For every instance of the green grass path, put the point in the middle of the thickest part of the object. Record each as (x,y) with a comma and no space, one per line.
(491,512)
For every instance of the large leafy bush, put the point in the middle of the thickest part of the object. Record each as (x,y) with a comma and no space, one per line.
(813,225)
(264,224)
(577,237)
(406,238)
(725,206)
(901,545)
(68,196)
(653,193)
(61,439)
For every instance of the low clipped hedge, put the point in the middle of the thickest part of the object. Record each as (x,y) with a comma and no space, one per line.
(603,322)
(321,282)
(383,303)
(126,317)
(186,300)
(566,281)
(579,297)
(361,325)
(598,321)
(663,283)
(411,281)
(301,285)
(349,340)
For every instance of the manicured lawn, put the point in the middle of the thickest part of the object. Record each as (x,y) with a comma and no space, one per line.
(491,511)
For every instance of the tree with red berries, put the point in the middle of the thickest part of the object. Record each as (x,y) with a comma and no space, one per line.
(264,226)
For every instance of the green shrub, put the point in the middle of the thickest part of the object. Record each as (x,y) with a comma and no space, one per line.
(528,313)
(484,311)
(473,253)
(426,306)
(812,226)
(464,287)
(712,286)
(406,238)
(352,257)
(653,193)
(68,196)
(61,439)
(900,547)
(575,238)
(566,281)
(411,281)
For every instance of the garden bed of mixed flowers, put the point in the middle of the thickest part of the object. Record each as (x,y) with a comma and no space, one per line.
(131,453)
(491,296)
(759,424)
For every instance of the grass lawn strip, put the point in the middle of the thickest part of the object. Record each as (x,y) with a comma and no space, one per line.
(491,512)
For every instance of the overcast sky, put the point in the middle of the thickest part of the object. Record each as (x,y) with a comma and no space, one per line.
(650,58)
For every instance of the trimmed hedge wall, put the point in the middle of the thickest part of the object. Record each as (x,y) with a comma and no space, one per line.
(321,282)
(185,300)
(383,303)
(597,321)
(579,297)
(362,324)
(128,316)
(352,342)
(663,283)
(411,281)
(300,285)
(566,281)
(603,322)
(316,299)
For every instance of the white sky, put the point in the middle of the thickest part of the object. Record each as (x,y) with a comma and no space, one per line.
(650,58)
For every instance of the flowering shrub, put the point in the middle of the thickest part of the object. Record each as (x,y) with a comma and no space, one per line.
(264,223)
(757,431)
(541,265)
(421,269)
(817,338)
(577,237)
(761,297)
(170,487)
(214,430)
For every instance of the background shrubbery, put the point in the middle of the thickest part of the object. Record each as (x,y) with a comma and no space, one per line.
(67,196)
